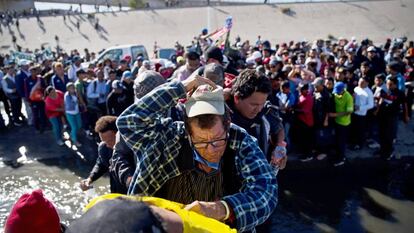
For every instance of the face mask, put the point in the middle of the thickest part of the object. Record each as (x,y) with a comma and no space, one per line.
(201,160)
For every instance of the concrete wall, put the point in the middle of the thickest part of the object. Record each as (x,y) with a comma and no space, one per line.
(377,20)
(17,5)
(91,2)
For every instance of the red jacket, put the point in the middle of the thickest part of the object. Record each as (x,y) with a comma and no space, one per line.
(52,104)
(305,107)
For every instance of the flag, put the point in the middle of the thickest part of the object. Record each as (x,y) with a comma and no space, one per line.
(220,36)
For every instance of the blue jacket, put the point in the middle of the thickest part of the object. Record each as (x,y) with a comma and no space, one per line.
(58,84)
(20,80)
(29,83)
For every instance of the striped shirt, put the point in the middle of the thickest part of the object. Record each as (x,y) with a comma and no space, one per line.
(155,140)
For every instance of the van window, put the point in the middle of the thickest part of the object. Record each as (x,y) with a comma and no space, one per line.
(139,50)
(166,53)
(113,54)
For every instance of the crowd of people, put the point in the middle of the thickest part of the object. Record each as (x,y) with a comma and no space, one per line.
(211,127)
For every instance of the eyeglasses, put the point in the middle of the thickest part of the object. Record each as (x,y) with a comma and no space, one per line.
(215,143)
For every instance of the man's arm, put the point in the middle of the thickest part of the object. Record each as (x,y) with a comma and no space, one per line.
(122,162)
(152,137)
(140,123)
(277,136)
(370,102)
(6,88)
(100,168)
(258,196)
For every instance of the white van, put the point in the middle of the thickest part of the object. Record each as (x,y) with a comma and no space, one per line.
(118,52)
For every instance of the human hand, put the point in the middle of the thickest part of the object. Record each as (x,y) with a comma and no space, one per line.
(227,93)
(128,181)
(214,210)
(279,157)
(85,184)
(195,80)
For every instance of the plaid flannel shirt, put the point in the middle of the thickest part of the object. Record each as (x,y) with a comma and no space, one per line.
(155,140)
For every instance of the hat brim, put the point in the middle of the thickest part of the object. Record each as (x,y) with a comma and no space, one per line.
(316,83)
(195,108)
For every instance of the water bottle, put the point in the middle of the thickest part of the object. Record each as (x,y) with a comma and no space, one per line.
(279,153)
(91,193)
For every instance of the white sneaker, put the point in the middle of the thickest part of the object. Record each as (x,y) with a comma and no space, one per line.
(374,145)
(306,159)
(321,156)
(339,163)
(17,123)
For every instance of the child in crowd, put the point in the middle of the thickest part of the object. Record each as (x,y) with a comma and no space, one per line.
(73,113)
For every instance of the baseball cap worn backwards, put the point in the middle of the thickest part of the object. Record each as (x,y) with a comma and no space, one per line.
(205,100)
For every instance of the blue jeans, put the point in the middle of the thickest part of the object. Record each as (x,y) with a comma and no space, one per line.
(56,127)
(75,123)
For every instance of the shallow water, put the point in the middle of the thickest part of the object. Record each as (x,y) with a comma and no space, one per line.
(59,180)
(310,201)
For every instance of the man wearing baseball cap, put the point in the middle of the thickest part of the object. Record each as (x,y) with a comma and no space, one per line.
(344,106)
(204,160)
(21,77)
(116,102)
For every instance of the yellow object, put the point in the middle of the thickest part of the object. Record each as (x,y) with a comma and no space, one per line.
(192,221)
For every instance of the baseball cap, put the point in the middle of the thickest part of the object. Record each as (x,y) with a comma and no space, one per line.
(180,59)
(215,53)
(256,55)
(33,213)
(273,62)
(140,58)
(76,58)
(35,67)
(24,62)
(351,50)
(146,82)
(116,84)
(80,71)
(252,59)
(127,57)
(215,73)
(318,81)
(127,74)
(371,49)
(205,100)
(339,88)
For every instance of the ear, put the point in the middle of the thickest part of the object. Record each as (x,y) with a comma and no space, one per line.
(236,99)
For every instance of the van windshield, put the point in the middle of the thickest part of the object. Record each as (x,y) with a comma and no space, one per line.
(113,55)
(139,50)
